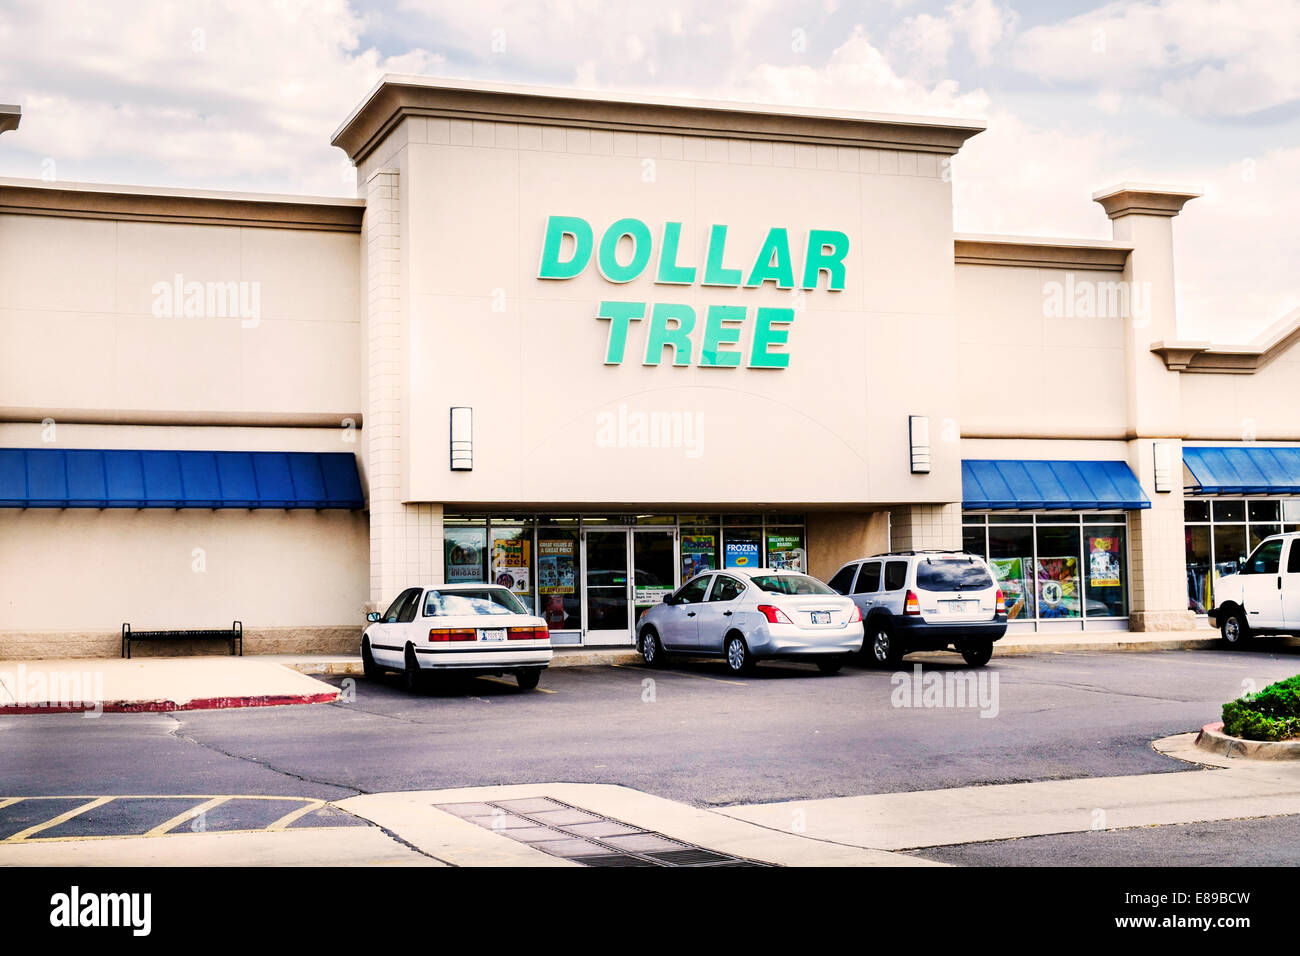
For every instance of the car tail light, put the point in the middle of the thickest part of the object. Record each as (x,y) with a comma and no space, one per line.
(439,634)
(773,614)
(912,604)
(529,633)
(856,615)
(1001,607)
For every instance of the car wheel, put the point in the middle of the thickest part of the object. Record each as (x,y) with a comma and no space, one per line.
(739,659)
(1234,629)
(885,649)
(652,651)
(528,677)
(977,653)
(831,666)
(411,674)
(368,666)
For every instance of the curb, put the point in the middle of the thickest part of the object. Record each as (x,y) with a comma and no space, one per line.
(167,706)
(1213,739)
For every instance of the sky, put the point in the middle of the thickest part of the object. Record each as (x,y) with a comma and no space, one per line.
(246,94)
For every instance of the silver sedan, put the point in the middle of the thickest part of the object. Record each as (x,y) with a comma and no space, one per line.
(747,615)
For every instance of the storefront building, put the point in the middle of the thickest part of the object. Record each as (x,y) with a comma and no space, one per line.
(585,346)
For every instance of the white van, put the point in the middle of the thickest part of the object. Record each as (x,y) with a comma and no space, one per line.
(1264,596)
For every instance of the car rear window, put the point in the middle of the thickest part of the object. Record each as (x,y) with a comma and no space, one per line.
(952,575)
(471,601)
(790,584)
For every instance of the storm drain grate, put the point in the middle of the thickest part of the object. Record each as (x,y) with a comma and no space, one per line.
(572,833)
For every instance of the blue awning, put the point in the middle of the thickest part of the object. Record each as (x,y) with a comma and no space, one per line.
(113,478)
(1244,470)
(988,485)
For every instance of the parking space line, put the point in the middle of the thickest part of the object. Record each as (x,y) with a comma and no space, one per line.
(55,821)
(662,673)
(189,814)
(510,683)
(288,818)
(8,801)
(145,836)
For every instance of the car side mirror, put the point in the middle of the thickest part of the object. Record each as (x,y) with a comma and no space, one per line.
(372,617)
(1241,562)
(670,599)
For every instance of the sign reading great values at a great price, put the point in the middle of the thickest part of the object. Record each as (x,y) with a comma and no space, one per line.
(671,324)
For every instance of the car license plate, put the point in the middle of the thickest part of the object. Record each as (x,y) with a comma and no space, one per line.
(496,634)
(821,617)
(959,607)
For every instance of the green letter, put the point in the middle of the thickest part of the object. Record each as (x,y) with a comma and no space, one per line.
(619,315)
(557,227)
(679,336)
(714,273)
(766,336)
(818,258)
(670,273)
(715,334)
(777,244)
(608,260)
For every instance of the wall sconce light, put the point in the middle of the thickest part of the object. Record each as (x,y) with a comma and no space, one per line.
(1163,453)
(918,428)
(462,438)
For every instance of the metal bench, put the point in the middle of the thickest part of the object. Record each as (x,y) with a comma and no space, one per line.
(235,636)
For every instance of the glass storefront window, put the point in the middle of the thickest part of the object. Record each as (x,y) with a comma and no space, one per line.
(559,586)
(785,549)
(699,551)
(1194,510)
(465,553)
(1264,511)
(1229,548)
(1011,557)
(1105,550)
(512,564)
(1200,587)
(1258,532)
(972,540)
(742,548)
(1229,510)
(1058,573)
(742,520)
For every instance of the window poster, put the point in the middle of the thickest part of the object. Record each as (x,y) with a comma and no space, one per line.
(785,552)
(510,564)
(1103,562)
(465,548)
(1058,587)
(1010,573)
(742,554)
(556,566)
(699,554)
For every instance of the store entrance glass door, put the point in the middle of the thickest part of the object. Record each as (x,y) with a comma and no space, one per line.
(654,567)
(609,588)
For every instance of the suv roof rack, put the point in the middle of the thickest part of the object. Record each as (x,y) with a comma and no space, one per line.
(900,554)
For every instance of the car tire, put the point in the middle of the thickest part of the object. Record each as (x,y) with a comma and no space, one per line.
(652,649)
(412,676)
(976,653)
(528,677)
(830,667)
(882,647)
(1234,630)
(739,658)
(369,668)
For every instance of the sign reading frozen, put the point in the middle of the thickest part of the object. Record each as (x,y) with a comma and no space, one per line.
(570,242)
(742,554)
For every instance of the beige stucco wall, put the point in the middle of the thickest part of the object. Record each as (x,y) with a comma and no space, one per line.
(78,329)
(831,428)
(1031,374)
(836,537)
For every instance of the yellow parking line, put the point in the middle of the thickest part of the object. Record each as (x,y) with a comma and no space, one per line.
(716,680)
(189,814)
(61,818)
(8,801)
(145,836)
(510,683)
(288,818)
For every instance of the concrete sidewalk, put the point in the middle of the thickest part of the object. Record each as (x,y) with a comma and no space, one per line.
(114,685)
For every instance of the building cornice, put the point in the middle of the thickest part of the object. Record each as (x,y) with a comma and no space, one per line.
(93,201)
(1097,255)
(1144,199)
(10,117)
(397,97)
(13,414)
(1195,356)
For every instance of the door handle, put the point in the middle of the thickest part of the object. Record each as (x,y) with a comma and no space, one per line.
(726,614)
(690,613)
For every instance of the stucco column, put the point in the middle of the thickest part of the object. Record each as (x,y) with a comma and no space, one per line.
(925,528)
(1142,216)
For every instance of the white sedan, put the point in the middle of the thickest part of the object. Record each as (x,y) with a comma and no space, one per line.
(745,615)
(469,628)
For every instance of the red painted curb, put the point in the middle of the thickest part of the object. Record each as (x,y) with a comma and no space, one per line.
(164,706)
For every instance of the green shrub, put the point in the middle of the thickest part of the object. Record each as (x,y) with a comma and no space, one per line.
(1272,714)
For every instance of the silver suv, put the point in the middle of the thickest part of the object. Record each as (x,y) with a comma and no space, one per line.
(925,601)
